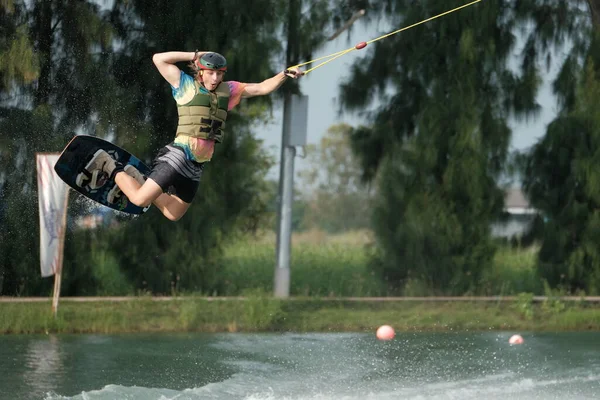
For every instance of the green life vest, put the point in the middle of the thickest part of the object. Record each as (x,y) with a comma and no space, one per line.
(204,116)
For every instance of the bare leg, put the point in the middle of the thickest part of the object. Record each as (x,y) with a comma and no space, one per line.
(172,207)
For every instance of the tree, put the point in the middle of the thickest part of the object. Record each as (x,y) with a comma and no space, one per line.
(232,193)
(91,72)
(438,137)
(561,174)
(35,116)
(337,198)
(18,64)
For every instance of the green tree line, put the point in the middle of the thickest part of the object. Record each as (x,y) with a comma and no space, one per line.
(437,143)
(73,67)
(436,101)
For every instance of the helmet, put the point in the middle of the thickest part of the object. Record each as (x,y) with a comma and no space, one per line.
(212,61)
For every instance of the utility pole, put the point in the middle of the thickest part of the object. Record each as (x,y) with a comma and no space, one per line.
(286,194)
(294,132)
(286,169)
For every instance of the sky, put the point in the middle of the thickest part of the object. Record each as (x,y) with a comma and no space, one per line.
(322,88)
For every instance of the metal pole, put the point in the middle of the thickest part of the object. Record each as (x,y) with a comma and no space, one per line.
(286,198)
(286,168)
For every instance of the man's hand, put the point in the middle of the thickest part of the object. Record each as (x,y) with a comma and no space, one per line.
(293,72)
(165,63)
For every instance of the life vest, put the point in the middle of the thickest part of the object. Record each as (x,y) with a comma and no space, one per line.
(204,116)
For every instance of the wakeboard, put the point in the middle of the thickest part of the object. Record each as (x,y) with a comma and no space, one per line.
(73,160)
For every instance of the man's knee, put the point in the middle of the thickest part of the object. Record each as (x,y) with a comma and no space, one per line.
(140,200)
(173,217)
(174,210)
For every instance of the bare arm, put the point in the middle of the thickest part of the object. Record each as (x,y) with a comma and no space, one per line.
(165,63)
(269,85)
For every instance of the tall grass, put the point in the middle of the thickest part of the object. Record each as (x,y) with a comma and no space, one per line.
(337,265)
(512,271)
(320,265)
(324,265)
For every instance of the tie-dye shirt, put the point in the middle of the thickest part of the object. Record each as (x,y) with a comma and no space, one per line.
(196,149)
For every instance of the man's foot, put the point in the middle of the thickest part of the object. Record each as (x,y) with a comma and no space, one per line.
(97,170)
(115,193)
(134,173)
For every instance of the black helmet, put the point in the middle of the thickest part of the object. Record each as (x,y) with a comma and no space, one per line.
(213,61)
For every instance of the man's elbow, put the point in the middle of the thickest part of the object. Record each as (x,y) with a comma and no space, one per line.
(156,58)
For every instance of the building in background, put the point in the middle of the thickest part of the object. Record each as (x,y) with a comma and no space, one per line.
(518,218)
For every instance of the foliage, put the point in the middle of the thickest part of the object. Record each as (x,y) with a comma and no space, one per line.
(336,199)
(42,102)
(524,305)
(437,99)
(321,265)
(193,314)
(560,175)
(438,139)
(70,67)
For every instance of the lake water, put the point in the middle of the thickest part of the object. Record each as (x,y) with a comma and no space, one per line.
(300,366)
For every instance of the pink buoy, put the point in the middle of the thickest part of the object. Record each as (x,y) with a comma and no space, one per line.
(385,332)
(516,339)
(360,45)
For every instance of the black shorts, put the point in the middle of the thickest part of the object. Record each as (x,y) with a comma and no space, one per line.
(175,174)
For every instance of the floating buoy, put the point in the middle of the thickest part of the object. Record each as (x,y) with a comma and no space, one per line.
(361,45)
(385,332)
(516,339)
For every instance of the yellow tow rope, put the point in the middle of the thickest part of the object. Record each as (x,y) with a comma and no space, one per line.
(362,45)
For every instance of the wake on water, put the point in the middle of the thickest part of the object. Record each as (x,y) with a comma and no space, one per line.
(357,367)
(499,387)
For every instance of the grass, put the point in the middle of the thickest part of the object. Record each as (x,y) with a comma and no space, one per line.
(321,265)
(338,265)
(513,271)
(324,268)
(265,314)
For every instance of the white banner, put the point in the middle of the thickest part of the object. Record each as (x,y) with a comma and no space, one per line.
(52,197)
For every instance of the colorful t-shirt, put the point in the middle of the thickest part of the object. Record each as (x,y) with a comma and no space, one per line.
(196,149)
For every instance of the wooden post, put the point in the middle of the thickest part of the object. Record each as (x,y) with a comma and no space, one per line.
(59,264)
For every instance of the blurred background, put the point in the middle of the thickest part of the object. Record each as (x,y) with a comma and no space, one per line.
(455,158)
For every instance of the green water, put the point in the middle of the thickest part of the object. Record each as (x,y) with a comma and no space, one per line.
(300,366)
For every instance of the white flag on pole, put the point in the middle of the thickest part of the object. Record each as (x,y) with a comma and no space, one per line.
(52,196)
